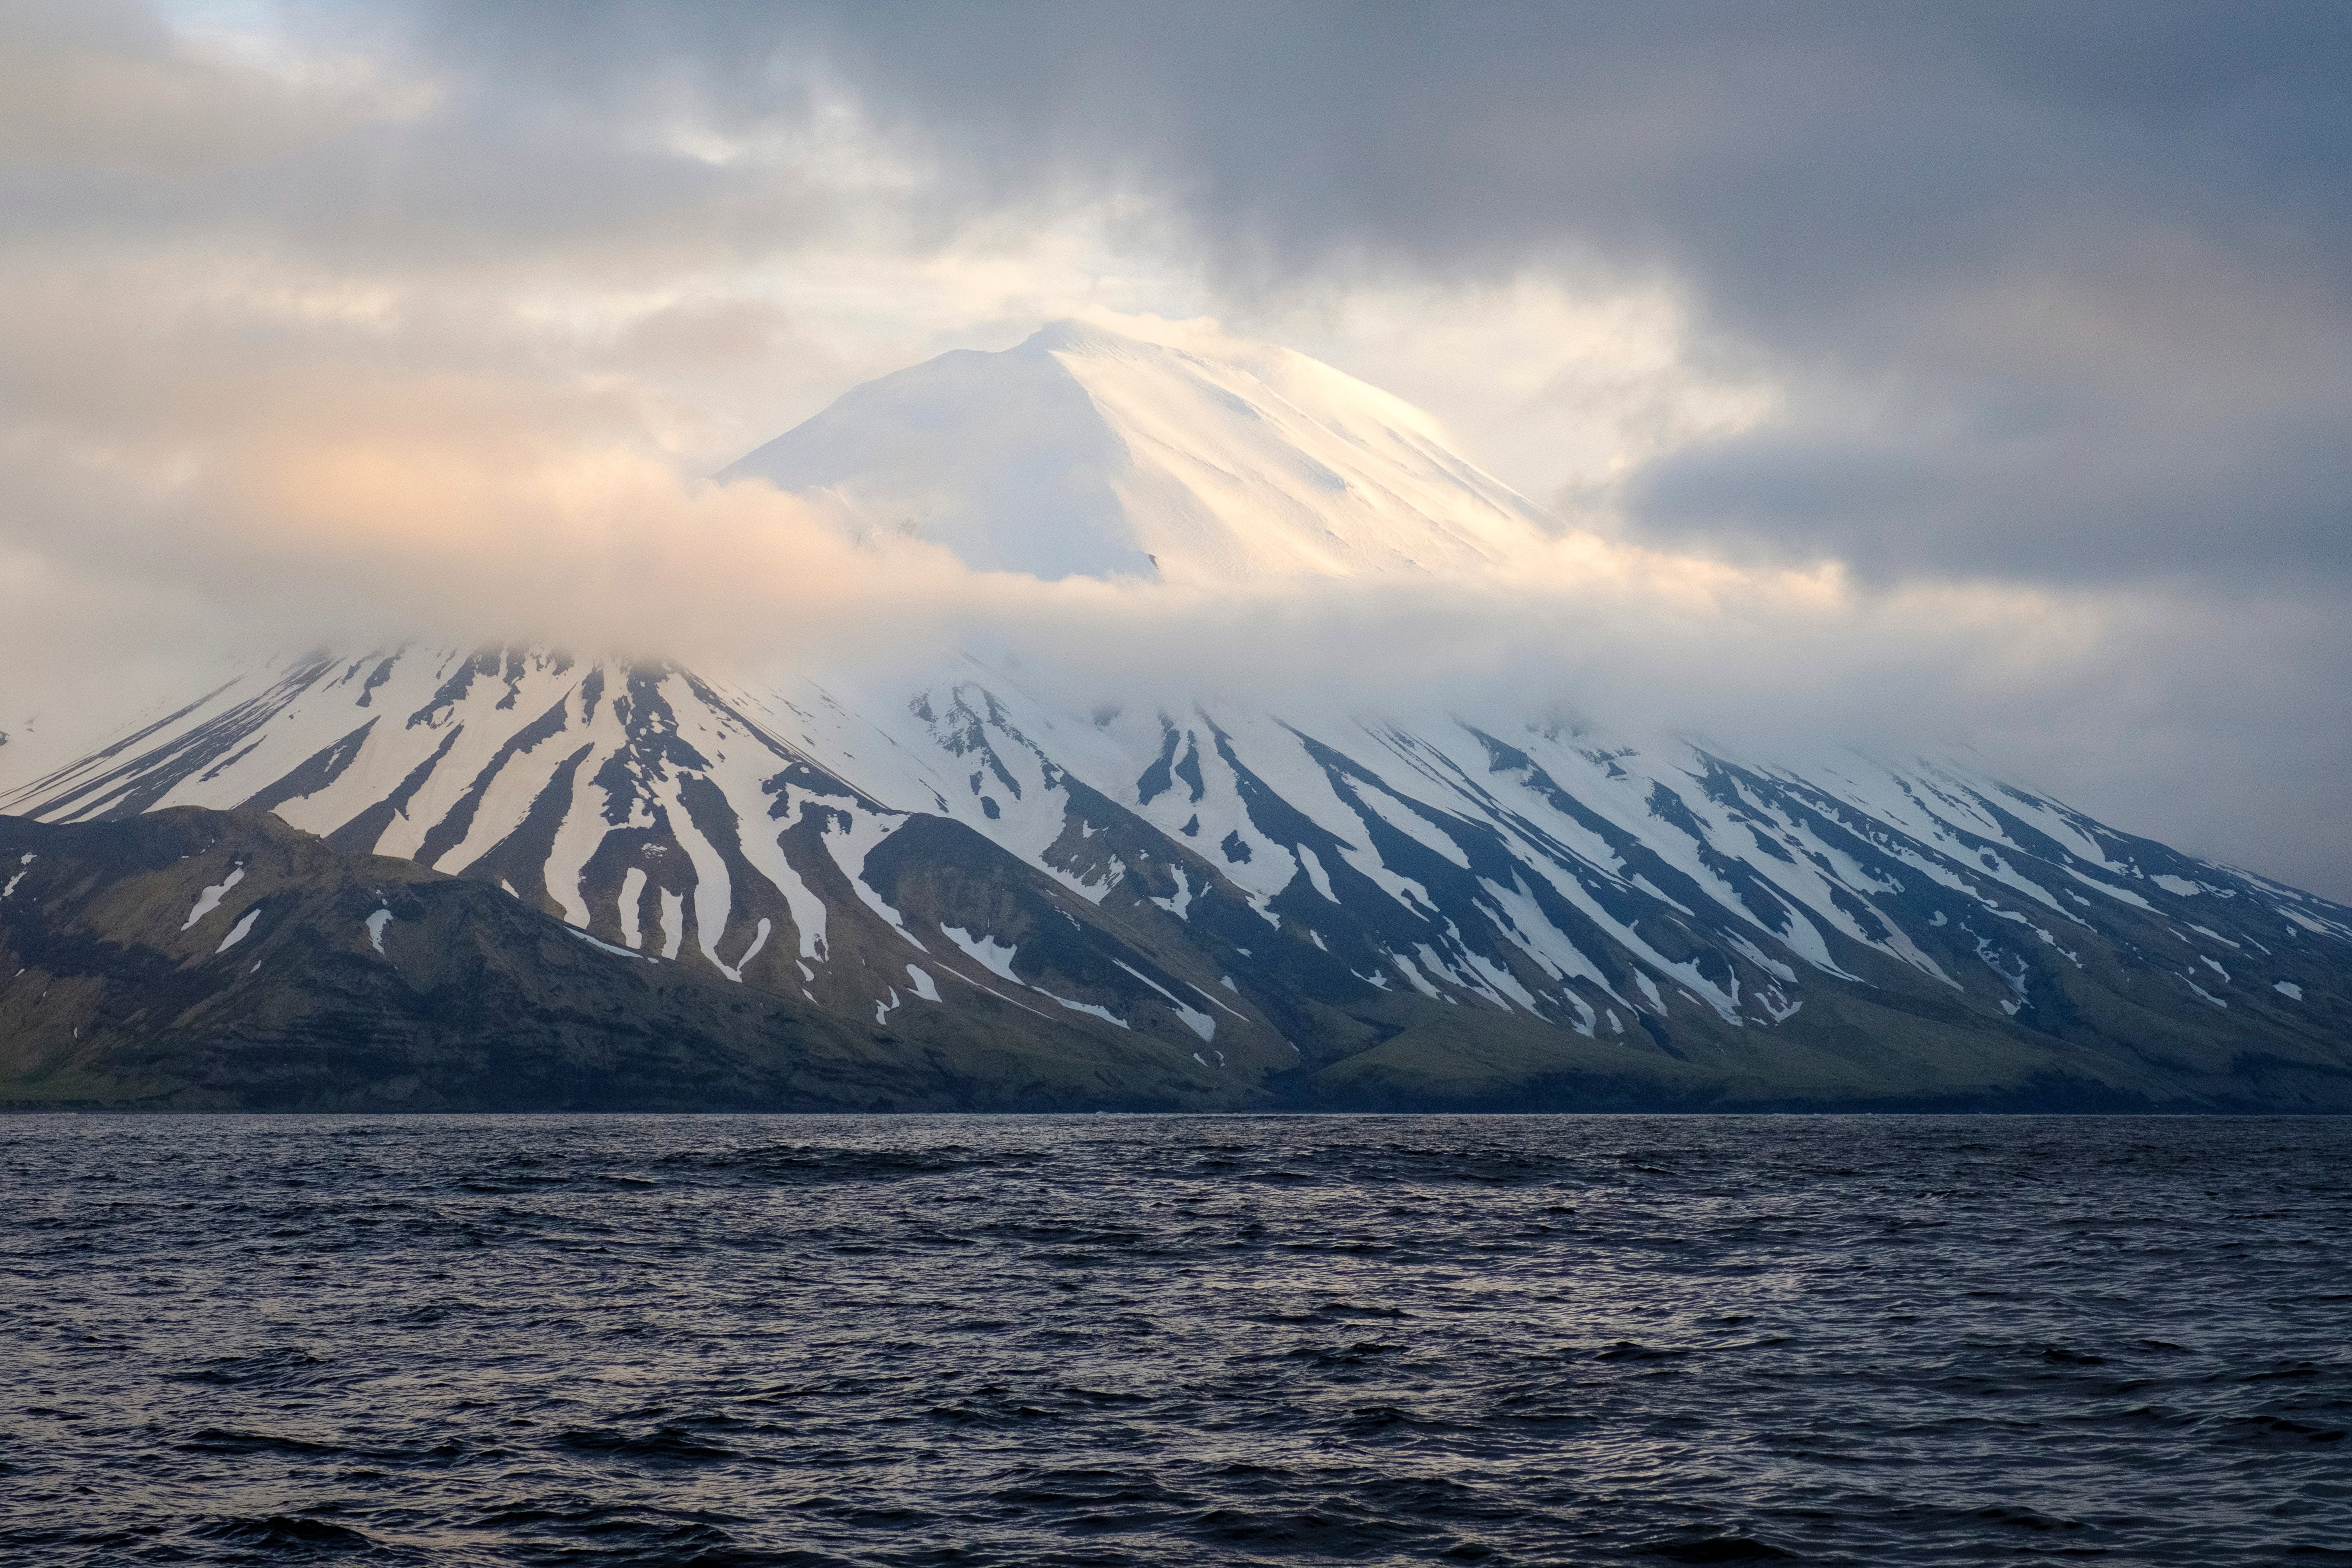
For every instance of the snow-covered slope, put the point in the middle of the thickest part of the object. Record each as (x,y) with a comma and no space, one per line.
(1267,893)
(1237,900)
(1084,452)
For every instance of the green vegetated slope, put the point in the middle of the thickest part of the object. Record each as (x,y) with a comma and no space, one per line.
(312,979)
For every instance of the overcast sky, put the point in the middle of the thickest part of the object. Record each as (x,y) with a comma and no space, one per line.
(2027,329)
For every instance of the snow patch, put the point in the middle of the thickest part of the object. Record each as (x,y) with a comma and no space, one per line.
(924,986)
(605,946)
(375,924)
(759,941)
(633,891)
(673,922)
(1315,875)
(1105,1014)
(238,932)
(987,951)
(1184,898)
(1214,1003)
(1200,1023)
(873,899)
(1412,976)
(2121,895)
(209,899)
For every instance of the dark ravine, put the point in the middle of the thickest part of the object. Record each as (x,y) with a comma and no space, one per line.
(278,997)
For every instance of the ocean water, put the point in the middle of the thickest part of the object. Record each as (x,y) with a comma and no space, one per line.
(1174,1340)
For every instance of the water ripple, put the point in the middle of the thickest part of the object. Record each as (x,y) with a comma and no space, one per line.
(1164,1339)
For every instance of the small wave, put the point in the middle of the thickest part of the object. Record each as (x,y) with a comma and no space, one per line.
(1719,1549)
(805,1165)
(668,1443)
(286,1535)
(279,1368)
(220,1440)
(866,1341)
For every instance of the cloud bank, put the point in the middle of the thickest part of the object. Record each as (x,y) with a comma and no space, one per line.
(1971,377)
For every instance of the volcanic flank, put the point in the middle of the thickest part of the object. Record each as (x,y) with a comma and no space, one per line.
(847,890)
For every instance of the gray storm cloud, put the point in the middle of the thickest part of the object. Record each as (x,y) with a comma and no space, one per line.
(2064,288)
(425,320)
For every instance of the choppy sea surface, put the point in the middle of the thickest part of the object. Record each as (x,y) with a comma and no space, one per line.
(1174,1340)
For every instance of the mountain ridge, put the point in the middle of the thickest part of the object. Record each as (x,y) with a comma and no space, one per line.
(189,960)
(1258,901)
(1303,910)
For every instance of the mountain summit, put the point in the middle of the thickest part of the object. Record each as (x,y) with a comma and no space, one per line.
(1084,452)
(506,877)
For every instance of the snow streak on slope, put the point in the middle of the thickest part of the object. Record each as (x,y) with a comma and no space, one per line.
(1083,452)
(1243,894)
(1163,872)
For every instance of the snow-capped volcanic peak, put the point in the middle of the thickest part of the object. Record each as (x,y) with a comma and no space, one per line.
(1083,452)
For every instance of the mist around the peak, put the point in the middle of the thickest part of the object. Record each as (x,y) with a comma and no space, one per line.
(201,470)
(354,517)
(341,326)
(254,504)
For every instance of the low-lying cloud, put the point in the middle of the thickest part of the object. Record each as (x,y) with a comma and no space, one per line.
(1913,382)
(359,513)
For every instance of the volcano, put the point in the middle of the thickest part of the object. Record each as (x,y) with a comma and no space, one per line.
(959,893)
